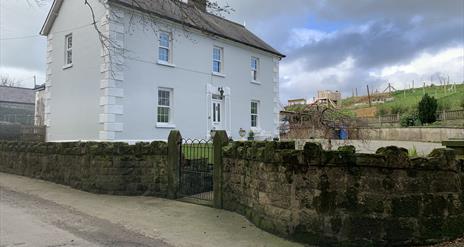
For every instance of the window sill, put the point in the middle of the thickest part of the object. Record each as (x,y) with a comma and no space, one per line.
(67,66)
(165,126)
(256,82)
(218,74)
(166,64)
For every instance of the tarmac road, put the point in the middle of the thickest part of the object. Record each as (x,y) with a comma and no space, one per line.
(27,220)
(42,214)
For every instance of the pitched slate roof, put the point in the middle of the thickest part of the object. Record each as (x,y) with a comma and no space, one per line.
(186,15)
(189,16)
(17,95)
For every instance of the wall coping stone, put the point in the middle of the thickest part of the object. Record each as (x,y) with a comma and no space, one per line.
(313,155)
(85,148)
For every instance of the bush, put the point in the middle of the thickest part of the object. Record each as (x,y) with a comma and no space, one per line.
(462,103)
(427,109)
(408,120)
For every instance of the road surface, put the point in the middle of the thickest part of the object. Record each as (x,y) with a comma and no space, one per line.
(37,213)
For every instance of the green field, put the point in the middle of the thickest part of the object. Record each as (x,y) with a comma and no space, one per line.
(407,100)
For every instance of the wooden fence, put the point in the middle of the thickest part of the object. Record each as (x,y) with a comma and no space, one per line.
(394,119)
(387,119)
(450,115)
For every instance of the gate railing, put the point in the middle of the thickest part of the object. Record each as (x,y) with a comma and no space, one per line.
(196,169)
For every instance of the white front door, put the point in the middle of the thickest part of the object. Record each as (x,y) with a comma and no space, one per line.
(217,114)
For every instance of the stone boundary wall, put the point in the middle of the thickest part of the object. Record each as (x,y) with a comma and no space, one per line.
(413,134)
(342,198)
(106,168)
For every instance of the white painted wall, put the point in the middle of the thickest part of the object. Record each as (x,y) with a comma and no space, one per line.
(88,102)
(192,57)
(72,94)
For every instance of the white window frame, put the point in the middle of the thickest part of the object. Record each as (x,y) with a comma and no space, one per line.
(67,50)
(168,48)
(254,114)
(254,71)
(170,107)
(220,61)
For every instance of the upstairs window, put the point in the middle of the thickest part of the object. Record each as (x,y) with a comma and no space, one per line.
(254,113)
(68,50)
(218,59)
(164,105)
(254,68)
(164,47)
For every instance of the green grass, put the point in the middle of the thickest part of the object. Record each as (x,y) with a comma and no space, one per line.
(407,100)
(199,151)
(412,152)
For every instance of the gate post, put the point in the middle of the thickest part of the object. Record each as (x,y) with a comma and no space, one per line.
(174,142)
(220,140)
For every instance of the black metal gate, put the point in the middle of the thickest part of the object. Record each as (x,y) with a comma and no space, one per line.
(196,169)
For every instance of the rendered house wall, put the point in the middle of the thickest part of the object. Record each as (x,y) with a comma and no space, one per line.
(193,83)
(112,95)
(72,94)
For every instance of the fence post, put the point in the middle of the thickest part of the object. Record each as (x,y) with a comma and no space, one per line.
(220,140)
(174,142)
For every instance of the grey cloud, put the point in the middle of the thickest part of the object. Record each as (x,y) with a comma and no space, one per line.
(383,43)
(398,30)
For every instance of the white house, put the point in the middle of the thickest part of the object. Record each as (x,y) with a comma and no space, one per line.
(182,69)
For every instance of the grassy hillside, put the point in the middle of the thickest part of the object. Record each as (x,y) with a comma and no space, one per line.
(407,100)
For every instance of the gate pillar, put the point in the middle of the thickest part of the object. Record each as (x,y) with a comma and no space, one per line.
(174,149)
(220,140)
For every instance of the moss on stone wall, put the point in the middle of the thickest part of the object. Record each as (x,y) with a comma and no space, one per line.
(99,167)
(341,198)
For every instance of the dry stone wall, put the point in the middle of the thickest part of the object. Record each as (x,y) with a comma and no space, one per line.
(341,198)
(107,168)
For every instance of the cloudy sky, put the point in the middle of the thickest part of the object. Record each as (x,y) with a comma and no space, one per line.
(330,44)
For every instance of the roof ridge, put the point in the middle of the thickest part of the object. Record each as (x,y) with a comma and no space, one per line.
(222,18)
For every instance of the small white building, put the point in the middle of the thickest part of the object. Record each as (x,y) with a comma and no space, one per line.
(188,70)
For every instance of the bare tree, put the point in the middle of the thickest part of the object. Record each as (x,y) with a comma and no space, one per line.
(188,14)
(146,14)
(7,81)
(318,121)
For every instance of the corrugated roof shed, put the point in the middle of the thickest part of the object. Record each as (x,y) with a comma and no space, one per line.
(17,95)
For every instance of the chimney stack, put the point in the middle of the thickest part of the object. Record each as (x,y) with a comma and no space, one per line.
(200,4)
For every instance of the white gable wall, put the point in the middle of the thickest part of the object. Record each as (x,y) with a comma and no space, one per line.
(189,79)
(72,101)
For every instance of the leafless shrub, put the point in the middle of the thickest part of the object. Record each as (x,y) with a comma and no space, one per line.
(7,81)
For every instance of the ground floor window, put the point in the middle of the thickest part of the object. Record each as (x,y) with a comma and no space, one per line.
(254,113)
(164,105)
